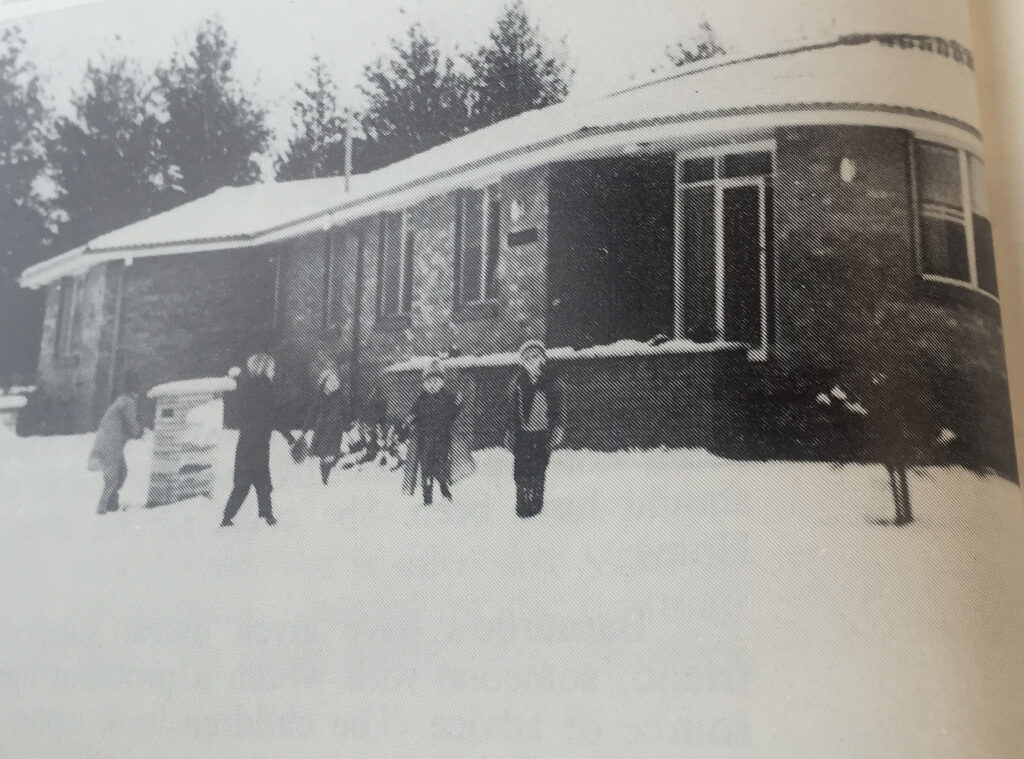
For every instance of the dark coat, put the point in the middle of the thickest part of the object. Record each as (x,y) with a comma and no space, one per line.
(521,393)
(328,420)
(258,416)
(433,415)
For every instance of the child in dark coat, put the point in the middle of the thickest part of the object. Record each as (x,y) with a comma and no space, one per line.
(328,420)
(535,425)
(257,419)
(433,415)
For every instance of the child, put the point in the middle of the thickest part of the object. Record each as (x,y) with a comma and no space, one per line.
(328,421)
(120,423)
(535,419)
(433,415)
(257,419)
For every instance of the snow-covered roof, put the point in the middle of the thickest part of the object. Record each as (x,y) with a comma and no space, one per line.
(847,81)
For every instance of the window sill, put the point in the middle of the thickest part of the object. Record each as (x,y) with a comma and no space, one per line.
(478,310)
(954,291)
(67,361)
(394,322)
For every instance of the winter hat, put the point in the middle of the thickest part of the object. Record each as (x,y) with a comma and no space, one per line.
(433,369)
(533,345)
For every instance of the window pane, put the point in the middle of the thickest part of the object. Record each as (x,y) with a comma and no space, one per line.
(698,211)
(698,170)
(979,186)
(741,240)
(985,255)
(938,175)
(472,250)
(944,248)
(747,164)
(493,243)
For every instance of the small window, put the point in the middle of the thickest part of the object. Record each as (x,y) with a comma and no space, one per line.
(953,208)
(395,270)
(479,243)
(65,316)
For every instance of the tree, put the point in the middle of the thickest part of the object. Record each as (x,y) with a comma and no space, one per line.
(212,129)
(701,45)
(23,231)
(514,72)
(416,99)
(106,160)
(317,149)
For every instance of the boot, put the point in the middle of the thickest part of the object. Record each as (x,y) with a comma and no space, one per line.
(446,492)
(428,495)
(270,519)
(325,472)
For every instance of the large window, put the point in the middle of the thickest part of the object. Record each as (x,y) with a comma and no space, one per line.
(953,210)
(395,270)
(478,244)
(723,215)
(66,291)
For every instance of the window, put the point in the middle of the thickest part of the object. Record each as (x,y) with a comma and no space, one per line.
(955,234)
(395,265)
(66,291)
(333,281)
(477,244)
(723,217)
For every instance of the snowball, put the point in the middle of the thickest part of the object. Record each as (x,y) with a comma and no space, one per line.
(839,394)
(823,399)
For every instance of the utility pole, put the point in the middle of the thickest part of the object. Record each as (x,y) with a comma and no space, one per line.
(348,149)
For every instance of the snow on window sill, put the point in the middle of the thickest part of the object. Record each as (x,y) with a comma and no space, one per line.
(620,349)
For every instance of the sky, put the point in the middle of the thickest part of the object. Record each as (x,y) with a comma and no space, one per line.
(609,41)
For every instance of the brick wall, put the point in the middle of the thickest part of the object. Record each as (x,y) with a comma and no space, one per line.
(848,291)
(194,316)
(76,383)
(433,324)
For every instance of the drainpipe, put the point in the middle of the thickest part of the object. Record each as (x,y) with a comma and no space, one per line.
(356,315)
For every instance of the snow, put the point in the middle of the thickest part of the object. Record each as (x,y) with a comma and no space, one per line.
(12,402)
(665,603)
(199,386)
(619,349)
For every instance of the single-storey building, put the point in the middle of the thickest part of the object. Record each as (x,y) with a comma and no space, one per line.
(706,251)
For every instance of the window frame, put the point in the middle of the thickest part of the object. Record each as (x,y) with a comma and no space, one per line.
(964,155)
(406,266)
(490,194)
(719,184)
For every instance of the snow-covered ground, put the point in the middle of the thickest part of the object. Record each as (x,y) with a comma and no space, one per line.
(664,604)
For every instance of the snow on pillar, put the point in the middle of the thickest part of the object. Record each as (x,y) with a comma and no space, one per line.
(189,419)
(10,407)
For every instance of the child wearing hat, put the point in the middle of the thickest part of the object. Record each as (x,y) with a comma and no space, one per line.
(433,416)
(535,425)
